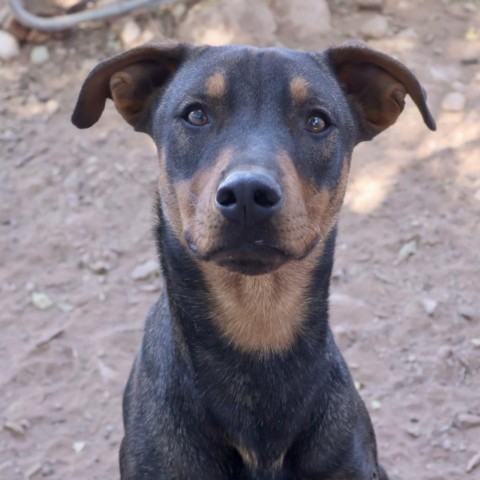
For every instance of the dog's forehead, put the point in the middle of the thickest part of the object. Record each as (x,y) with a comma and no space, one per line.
(219,69)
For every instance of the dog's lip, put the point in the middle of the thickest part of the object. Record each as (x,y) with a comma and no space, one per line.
(250,258)
(244,250)
(250,250)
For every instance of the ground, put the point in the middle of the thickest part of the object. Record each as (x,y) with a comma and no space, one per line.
(76,219)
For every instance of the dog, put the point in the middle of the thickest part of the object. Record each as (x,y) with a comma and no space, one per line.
(238,376)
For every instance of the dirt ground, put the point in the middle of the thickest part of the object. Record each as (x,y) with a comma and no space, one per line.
(76,219)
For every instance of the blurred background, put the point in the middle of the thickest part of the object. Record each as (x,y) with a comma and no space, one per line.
(78,267)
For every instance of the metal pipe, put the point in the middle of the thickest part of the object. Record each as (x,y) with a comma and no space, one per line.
(64,22)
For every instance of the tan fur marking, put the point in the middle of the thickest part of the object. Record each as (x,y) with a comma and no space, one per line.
(299,88)
(168,198)
(248,456)
(260,314)
(200,219)
(216,85)
(278,463)
(308,214)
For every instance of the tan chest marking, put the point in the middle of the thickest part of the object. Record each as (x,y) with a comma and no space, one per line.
(260,314)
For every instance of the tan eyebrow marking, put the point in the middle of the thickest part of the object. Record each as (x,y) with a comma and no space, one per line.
(216,85)
(299,88)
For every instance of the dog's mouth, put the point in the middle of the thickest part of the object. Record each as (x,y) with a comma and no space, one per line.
(254,258)
(250,259)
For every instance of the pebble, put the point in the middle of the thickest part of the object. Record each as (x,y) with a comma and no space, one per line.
(42,301)
(48,469)
(375,405)
(467,420)
(454,102)
(100,267)
(130,33)
(445,352)
(15,428)
(473,463)
(407,250)
(109,429)
(413,431)
(145,270)
(9,47)
(477,195)
(304,20)
(79,446)
(466,312)
(429,305)
(370,4)
(375,27)
(475,342)
(39,55)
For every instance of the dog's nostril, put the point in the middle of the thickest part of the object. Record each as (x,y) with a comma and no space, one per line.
(226,197)
(266,197)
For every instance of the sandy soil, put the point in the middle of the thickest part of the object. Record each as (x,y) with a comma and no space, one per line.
(76,217)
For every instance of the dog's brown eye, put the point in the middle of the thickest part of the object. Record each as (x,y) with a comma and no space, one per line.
(197,117)
(316,124)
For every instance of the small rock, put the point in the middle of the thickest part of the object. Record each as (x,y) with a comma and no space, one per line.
(9,47)
(39,54)
(429,305)
(145,270)
(33,470)
(454,102)
(473,463)
(42,301)
(130,33)
(15,428)
(100,267)
(229,21)
(370,4)
(48,469)
(359,386)
(150,287)
(66,307)
(470,7)
(413,430)
(109,429)
(407,250)
(445,352)
(469,313)
(475,342)
(467,420)
(477,195)
(302,20)
(375,27)
(79,446)
(375,405)
(411,358)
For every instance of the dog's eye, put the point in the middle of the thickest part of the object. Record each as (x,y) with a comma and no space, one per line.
(316,124)
(197,117)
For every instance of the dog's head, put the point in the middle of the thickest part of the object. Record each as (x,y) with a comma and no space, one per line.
(254,144)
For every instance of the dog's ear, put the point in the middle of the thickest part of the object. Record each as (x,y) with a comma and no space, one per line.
(376,85)
(131,80)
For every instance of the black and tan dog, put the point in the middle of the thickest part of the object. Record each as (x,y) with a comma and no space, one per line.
(238,376)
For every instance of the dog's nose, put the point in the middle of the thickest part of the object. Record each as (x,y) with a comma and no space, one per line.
(248,197)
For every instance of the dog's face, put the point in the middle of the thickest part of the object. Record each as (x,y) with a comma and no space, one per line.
(254,144)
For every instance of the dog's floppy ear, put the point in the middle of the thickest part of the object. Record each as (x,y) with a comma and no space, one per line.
(131,80)
(376,85)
